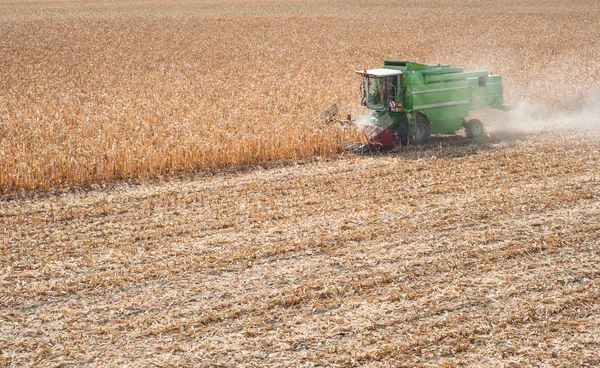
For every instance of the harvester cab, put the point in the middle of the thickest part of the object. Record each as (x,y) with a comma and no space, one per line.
(411,101)
(379,89)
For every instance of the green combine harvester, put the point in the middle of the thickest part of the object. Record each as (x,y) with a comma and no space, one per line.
(411,101)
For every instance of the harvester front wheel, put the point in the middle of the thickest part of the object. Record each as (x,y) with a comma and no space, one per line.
(474,128)
(401,138)
(422,130)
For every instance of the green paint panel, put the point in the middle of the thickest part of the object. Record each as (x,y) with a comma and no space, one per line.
(446,126)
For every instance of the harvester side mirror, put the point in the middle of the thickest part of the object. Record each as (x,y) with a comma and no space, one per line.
(363,94)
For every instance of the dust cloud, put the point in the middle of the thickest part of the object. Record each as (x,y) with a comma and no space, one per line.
(527,117)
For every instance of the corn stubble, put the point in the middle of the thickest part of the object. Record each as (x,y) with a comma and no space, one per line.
(377,261)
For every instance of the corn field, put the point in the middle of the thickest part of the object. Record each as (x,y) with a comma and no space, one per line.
(107,91)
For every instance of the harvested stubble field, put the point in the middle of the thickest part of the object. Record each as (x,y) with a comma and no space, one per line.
(458,253)
(482,254)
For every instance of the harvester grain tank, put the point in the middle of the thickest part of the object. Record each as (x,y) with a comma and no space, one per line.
(411,101)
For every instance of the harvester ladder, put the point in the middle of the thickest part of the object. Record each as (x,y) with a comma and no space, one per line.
(412,126)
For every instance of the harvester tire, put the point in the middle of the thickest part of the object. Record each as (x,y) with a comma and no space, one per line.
(402,133)
(422,134)
(423,131)
(474,128)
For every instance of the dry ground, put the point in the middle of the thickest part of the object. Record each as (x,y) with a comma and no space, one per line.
(466,254)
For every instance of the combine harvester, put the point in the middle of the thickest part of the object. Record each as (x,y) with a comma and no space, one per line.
(411,101)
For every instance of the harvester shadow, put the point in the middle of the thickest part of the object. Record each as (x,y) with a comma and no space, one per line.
(455,145)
